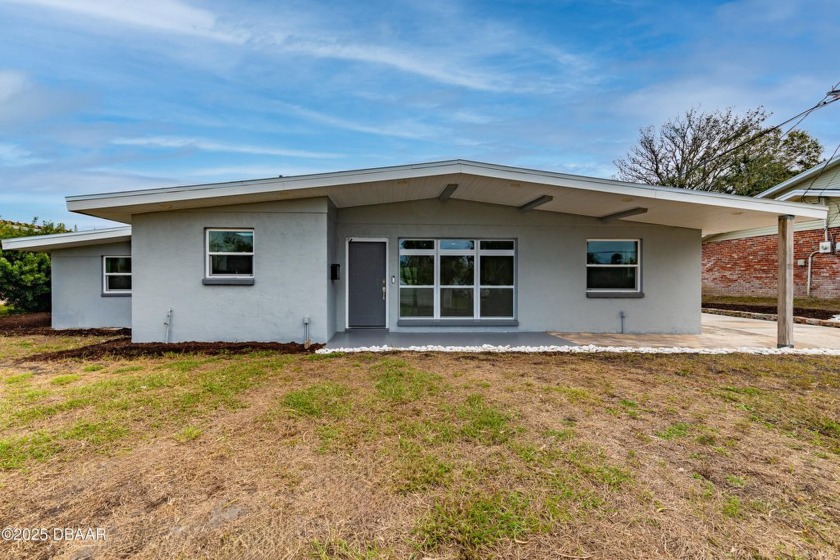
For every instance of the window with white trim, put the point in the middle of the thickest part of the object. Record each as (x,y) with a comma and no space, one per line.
(116,275)
(612,265)
(230,253)
(457,278)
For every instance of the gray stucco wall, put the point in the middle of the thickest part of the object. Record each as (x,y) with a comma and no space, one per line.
(551,251)
(290,274)
(77,300)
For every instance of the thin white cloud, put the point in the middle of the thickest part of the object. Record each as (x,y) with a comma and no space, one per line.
(12,155)
(444,56)
(210,146)
(239,172)
(468,116)
(428,65)
(411,130)
(169,16)
(11,84)
(23,102)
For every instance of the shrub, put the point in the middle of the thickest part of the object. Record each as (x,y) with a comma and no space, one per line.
(25,276)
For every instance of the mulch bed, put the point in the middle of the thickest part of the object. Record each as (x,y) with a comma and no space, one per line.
(771,309)
(124,348)
(121,346)
(29,324)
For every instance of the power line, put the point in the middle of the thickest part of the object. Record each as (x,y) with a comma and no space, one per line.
(818,175)
(830,97)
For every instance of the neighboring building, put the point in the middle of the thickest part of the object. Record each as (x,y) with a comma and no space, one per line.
(453,246)
(744,263)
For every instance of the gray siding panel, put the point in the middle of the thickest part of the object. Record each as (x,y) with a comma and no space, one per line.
(290,275)
(77,300)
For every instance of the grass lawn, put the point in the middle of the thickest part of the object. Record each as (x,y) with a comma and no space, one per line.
(421,455)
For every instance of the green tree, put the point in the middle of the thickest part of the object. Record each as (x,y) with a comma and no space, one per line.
(24,275)
(720,151)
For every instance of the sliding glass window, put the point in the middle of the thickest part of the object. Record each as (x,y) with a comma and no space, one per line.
(457,278)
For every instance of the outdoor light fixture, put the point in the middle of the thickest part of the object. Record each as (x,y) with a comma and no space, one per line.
(623,214)
(446,193)
(544,199)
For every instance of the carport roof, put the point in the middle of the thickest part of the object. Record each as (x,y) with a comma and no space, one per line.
(711,213)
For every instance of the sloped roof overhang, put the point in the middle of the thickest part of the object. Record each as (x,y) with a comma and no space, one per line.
(479,182)
(47,243)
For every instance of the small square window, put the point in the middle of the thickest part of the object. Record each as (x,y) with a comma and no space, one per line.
(116,275)
(230,253)
(612,265)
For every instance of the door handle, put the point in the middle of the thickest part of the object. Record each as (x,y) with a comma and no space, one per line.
(383,289)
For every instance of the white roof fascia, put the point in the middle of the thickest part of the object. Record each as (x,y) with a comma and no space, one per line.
(807,174)
(90,203)
(760,232)
(258,186)
(799,193)
(46,243)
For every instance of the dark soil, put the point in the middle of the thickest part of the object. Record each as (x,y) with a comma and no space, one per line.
(797,311)
(29,324)
(25,321)
(124,348)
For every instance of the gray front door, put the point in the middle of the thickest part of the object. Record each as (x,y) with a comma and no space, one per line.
(366,284)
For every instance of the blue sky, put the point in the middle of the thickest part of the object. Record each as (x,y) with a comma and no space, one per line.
(109,95)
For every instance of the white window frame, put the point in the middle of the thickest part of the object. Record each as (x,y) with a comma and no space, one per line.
(637,266)
(106,274)
(208,260)
(476,252)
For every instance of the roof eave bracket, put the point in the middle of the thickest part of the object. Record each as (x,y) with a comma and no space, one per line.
(623,214)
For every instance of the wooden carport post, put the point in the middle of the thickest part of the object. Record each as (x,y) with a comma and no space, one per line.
(785,308)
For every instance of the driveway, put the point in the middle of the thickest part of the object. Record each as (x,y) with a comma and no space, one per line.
(719,331)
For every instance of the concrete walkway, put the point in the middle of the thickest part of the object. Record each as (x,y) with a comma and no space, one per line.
(365,338)
(719,331)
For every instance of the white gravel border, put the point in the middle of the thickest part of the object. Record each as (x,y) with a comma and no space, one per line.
(590,349)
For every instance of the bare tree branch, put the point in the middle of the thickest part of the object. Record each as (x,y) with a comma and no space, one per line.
(718,151)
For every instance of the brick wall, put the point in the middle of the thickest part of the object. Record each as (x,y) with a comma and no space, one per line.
(748,267)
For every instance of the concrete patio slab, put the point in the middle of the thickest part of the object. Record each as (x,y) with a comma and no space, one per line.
(719,331)
(366,338)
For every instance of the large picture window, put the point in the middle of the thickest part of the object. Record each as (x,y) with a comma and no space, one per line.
(230,253)
(457,278)
(612,265)
(116,275)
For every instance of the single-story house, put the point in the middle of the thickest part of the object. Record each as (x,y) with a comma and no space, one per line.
(744,262)
(446,246)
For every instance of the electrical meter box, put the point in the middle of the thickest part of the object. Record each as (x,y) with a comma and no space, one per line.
(825,246)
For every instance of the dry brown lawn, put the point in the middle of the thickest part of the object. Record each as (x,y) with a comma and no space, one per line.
(420,455)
